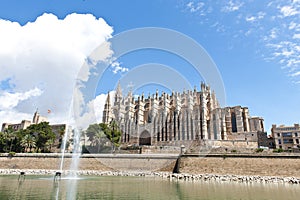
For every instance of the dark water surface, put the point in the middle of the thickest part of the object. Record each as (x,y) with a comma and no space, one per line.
(91,187)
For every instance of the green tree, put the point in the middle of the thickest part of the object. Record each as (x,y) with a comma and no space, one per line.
(10,135)
(43,134)
(28,142)
(2,141)
(96,135)
(49,144)
(114,133)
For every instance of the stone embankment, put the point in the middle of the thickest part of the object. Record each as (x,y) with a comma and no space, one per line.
(162,175)
(277,166)
(235,167)
(101,162)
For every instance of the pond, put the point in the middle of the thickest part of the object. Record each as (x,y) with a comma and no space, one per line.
(109,187)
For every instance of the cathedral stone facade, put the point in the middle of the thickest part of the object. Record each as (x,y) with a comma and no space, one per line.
(177,118)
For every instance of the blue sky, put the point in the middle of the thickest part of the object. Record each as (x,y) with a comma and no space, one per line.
(254,43)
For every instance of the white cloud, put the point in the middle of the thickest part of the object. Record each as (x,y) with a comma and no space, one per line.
(14,116)
(260,15)
(94,111)
(11,100)
(288,11)
(232,6)
(296,74)
(116,67)
(288,55)
(250,19)
(47,55)
(293,25)
(194,7)
(273,33)
(274,26)
(296,36)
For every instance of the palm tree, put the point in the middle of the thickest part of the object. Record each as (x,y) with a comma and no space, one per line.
(28,141)
(43,133)
(96,135)
(114,134)
(10,136)
(3,140)
(99,139)
(49,144)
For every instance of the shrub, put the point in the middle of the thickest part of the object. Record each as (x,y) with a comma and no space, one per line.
(278,150)
(233,151)
(258,150)
(289,151)
(11,154)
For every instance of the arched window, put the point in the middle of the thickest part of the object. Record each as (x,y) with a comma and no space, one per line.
(145,138)
(233,122)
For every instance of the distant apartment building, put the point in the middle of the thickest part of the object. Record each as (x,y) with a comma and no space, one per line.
(37,118)
(58,129)
(286,137)
(17,126)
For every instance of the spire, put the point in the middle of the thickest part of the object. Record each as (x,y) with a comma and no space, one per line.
(118,95)
(35,117)
(107,102)
(119,90)
(108,99)
(129,95)
(107,112)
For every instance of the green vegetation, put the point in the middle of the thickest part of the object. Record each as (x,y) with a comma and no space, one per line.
(259,150)
(37,138)
(11,154)
(102,137)
(278,150)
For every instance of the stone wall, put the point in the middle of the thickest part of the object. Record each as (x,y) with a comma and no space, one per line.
(241,166)
(238,144)
(103,162)
(50,163)
(286,166)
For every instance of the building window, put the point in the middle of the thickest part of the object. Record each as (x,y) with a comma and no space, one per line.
(296,134)
(278,134)
(279,141)
(297,141)
(233,122)
(288,141)
(288,134)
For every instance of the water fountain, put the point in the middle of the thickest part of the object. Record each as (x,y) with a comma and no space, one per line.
(75,153)
(63,148)
(71,177)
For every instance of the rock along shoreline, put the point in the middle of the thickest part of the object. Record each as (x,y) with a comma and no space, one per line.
(163,175)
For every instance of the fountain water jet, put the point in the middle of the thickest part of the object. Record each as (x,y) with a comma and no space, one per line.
(76,153)
(63,149)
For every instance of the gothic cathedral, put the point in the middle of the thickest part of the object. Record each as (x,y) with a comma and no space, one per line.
(172,119)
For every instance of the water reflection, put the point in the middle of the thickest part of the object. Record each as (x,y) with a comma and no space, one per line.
(139,188)
(55,190)
(71,189)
